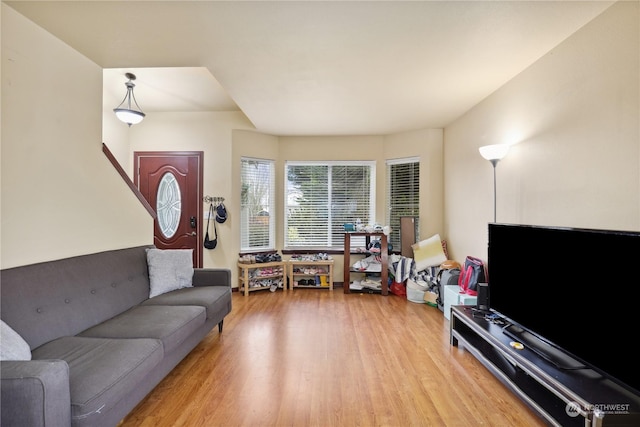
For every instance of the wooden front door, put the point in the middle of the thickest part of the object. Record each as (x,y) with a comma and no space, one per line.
(172,184)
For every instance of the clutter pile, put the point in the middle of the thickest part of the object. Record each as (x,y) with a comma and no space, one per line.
(420,274)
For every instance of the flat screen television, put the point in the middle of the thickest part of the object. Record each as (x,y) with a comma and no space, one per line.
(572,289)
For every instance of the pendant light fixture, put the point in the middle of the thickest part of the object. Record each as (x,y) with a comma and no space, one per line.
(126,111)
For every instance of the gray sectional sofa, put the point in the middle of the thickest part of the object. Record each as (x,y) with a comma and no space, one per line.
(97,343)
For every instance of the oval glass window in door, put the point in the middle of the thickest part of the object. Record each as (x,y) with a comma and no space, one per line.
(168,205)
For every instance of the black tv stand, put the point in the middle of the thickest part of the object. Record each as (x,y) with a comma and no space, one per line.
(548,352)
(562,397)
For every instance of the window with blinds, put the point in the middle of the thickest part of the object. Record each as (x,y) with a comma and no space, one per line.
(257,198)
(403,194)
(321,197)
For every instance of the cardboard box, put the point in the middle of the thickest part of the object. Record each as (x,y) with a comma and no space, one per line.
(430,298)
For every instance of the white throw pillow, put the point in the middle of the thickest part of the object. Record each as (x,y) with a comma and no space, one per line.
(428,253)
(169,269)
(12,345)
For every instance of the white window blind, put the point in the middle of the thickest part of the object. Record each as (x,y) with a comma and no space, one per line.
(321,197)
(257,198)
(403,194)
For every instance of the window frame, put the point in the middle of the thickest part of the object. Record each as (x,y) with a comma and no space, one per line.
(271,209)
(331,233)
(395,237)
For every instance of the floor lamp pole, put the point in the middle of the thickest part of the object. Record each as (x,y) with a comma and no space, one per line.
(494,162)
(494,153)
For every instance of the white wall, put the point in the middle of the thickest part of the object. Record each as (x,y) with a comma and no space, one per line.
(427,144)
(574,114)
(210,132)
(228,136)
(115,134)
(259,146)
(60,195)
(574,119)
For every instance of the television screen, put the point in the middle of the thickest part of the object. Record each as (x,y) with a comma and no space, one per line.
(576,289)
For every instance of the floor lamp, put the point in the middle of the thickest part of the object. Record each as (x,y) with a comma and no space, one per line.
(494,153)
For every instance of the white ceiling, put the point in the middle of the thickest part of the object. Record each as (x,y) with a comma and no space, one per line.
(314,67)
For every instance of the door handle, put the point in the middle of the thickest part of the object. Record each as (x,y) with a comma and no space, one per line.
(193,233)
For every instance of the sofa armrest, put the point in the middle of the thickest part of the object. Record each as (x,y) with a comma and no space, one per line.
(212,277)
(35,393)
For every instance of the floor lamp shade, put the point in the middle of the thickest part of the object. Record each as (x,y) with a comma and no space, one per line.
(494,152)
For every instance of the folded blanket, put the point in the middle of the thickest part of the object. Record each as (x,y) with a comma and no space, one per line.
(405,269)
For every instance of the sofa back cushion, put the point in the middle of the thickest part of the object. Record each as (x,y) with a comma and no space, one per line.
(48,300)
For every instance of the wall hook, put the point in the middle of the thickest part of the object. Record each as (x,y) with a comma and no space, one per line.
(215,200)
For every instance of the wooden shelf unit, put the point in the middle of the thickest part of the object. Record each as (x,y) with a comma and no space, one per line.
(384,256)
(245,279)
(322,268)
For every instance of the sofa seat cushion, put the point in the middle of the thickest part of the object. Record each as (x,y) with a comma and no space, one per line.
(171,325)
(101,370)
(215,299)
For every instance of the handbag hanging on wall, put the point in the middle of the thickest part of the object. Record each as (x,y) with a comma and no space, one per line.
(211,243)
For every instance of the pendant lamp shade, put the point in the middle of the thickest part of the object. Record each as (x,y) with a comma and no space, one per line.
(129,111)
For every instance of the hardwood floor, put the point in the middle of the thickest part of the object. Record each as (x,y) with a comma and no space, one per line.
(317,358)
